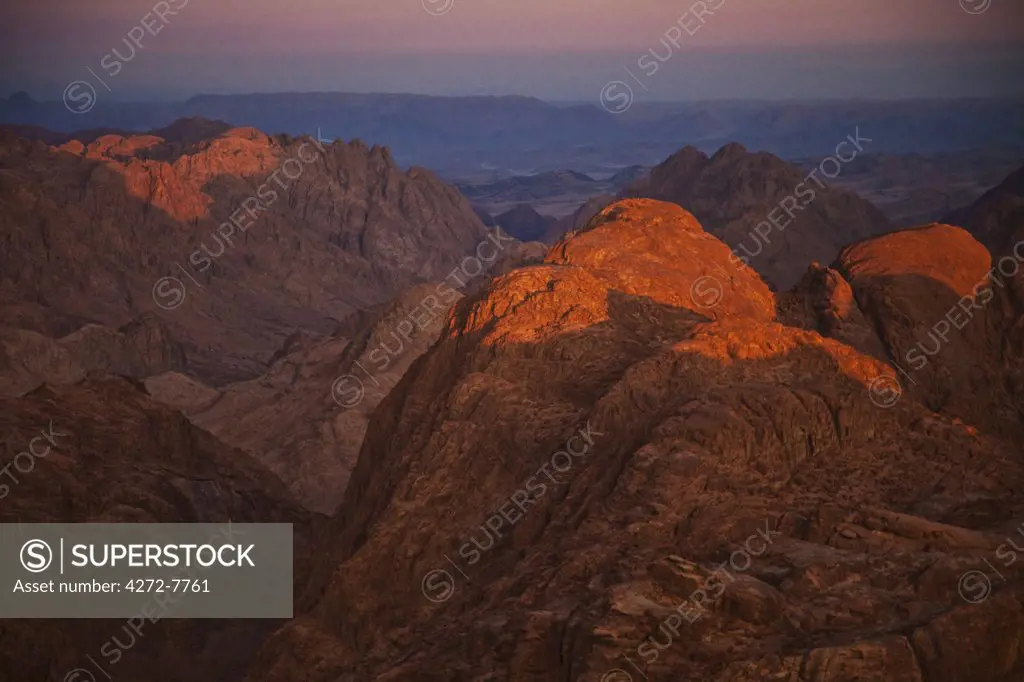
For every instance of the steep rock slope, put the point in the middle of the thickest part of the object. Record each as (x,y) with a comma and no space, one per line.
(997,216)
(305,418)
(997,220)
(597,440)
(738,196)
(929,293)
(928,301)
(114,456)
(234,241)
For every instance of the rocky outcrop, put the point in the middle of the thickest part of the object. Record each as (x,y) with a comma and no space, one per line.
(997,220)
(622,463)
(233,241)
(773,215)
(823,301)
(139,349)
(928,293)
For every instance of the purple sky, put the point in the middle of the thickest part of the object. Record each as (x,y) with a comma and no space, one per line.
(539,47)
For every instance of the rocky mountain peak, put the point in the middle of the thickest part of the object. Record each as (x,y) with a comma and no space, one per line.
(672,433)
(774,216)
(660,251)
(253,235)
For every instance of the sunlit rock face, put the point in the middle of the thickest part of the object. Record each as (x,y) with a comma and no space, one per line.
(634,457)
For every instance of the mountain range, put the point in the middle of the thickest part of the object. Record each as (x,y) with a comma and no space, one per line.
(462,137)
(775,217)
(234,240)
(643,451)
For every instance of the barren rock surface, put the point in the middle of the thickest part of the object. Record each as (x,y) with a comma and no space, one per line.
(738,196)
(105,231)
(629,456)
(139,349)
(305,418)
(834,534)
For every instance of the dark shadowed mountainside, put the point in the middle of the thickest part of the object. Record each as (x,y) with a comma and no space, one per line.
(997,216)
(772,214)
(115,456)
(306,416)
(139,349)
(525,224)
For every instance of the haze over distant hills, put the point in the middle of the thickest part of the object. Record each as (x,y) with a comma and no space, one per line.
(556,193)
(465,137)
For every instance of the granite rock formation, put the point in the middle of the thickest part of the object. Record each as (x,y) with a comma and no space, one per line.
(627,456)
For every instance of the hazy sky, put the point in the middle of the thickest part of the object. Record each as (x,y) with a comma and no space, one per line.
(549,48)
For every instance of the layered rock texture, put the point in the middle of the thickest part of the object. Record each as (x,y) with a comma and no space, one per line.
(776,217)
(635,460)
(997,220)
(233,238)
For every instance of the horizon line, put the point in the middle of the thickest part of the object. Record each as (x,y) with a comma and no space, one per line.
(184,99)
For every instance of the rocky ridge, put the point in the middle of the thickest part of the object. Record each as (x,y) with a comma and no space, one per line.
(721,444)
(139,349)
(776,217)
(233,240)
